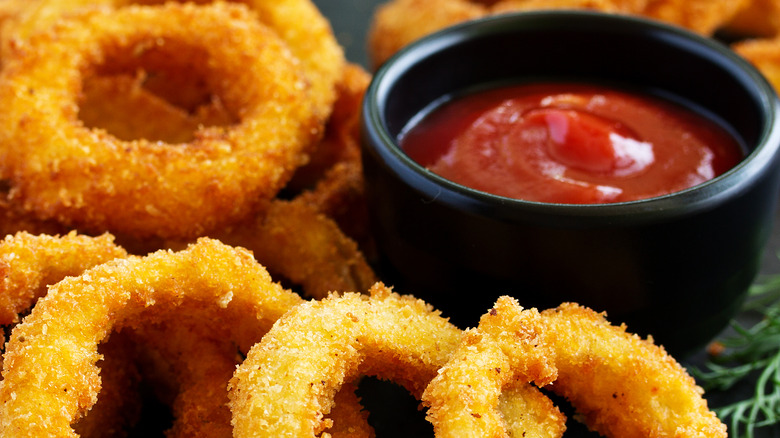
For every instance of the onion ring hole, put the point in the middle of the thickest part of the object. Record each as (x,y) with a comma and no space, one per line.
(175,99)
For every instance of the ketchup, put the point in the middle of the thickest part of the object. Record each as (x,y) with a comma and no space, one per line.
(570,143)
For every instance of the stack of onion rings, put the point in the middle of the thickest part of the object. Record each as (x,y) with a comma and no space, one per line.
(193,313)
(473,381)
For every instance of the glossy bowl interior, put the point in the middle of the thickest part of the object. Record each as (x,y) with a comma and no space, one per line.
(676,266)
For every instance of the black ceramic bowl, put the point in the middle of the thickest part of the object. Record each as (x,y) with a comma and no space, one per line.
(676,266)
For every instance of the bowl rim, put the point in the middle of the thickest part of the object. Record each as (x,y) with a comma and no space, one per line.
(433,187)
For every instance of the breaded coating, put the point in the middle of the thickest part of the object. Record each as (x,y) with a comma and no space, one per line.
(332,181)
(201,359)
(506,350)
(295,241)
(88,179)
(621,386)
(13,219)
(29,264)
(322,345)
(287,383)
(50,373)
(298,22)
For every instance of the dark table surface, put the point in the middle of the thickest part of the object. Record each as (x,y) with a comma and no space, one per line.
(350,20)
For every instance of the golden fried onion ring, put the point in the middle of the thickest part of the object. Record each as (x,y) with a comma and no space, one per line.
(298,22)
(621,385)
(286,385)
(89,179)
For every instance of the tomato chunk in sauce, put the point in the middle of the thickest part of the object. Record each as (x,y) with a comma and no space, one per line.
(570,143)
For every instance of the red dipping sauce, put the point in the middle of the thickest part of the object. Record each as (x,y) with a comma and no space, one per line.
(570,143)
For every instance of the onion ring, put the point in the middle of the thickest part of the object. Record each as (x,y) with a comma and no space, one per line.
(318,346)
(621,385)
(199,366)
(298,22)
(92,181)
(119,403)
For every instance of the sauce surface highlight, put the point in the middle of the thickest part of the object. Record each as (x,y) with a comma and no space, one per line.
(570,143)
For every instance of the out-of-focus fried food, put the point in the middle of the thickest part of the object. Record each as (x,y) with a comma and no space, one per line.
(599,5)
(759,18)
(341,142)
(13,219)
(399,22)
(701,16)
(332,182)
(621,386)
(8,10)
(764,54)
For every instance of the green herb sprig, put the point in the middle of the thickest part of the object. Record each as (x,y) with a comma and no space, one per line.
(751,353)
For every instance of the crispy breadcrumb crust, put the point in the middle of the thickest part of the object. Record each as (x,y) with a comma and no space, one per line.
(50,376)
(621,385)
(88,179)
